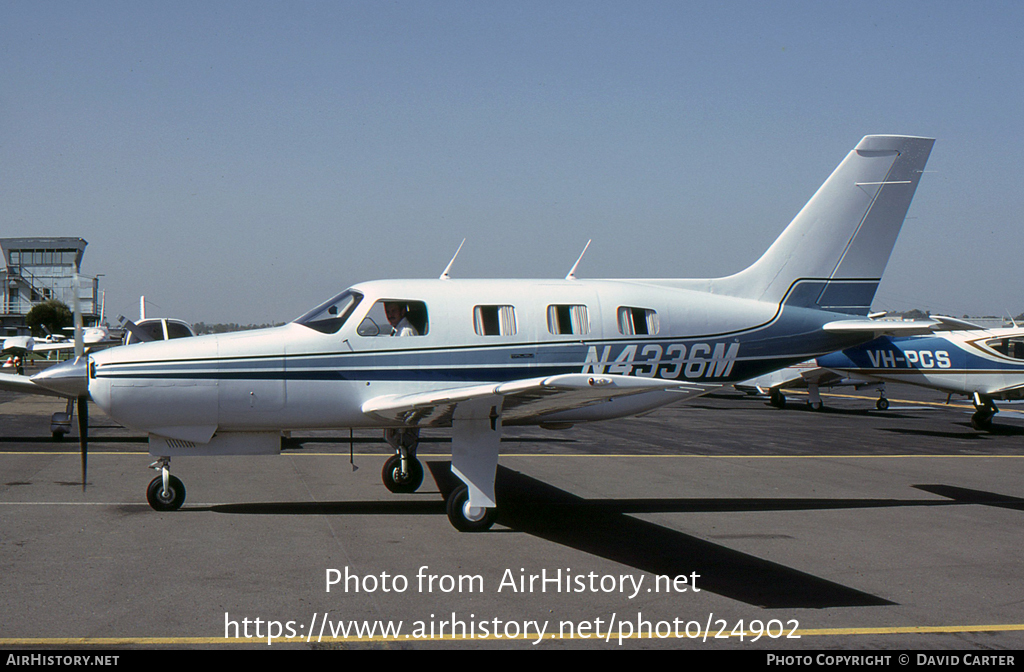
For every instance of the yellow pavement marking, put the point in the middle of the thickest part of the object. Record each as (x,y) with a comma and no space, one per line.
(802,632)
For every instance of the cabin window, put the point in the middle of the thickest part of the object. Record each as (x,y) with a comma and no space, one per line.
(328,317)
(395,317)
(1011,347)
(494,320)
(568,320)
(638,321)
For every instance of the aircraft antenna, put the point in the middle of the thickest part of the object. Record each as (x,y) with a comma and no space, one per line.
(444,275)
(1012,321)
(572,271)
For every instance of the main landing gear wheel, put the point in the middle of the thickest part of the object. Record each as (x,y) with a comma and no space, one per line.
(396,480)
(172,499)
(777,399)
(816,405)
(882,404)
(982,420)
(984,409)
(465,518)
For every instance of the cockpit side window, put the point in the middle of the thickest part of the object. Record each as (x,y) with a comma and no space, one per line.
(329,316)
(1011,347)
(395,317)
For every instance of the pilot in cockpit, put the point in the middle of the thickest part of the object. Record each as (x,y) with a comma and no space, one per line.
(397,314)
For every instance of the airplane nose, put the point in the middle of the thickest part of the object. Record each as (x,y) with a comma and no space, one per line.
(70,378)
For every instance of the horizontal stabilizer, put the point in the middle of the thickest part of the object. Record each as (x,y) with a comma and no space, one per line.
(955,324)
(884,328)
(934,324)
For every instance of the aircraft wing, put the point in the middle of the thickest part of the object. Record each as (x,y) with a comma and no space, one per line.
(1014,391)
(15,383)
(524,399)
(61,346)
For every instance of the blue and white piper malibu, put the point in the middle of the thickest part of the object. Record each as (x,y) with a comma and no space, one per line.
(479,355)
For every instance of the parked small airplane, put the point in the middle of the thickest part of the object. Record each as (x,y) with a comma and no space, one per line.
(98,336)
(985,364)
(959,358)
(812,376)
(92,337)
(479,355)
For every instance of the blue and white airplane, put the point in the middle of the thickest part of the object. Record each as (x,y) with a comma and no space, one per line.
(480,355)
(985,364)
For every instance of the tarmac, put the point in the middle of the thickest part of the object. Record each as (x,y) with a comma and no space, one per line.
(722,523)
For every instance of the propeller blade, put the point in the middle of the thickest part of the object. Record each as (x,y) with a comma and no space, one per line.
(77,308)
(83,435)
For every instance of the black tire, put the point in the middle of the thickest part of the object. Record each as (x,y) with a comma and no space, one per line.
(175,498)
(456,507)
(981,421)
(816,406)
(778,400)
(58,436)
(882,404)
(396,481)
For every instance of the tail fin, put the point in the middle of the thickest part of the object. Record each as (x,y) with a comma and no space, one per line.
(833,253)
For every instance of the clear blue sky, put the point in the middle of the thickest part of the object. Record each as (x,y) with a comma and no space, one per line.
(241,161)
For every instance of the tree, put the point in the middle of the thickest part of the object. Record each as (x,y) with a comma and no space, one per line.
(52,314)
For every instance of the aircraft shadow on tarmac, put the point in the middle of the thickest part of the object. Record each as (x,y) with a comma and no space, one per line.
(606,528)
(969,433)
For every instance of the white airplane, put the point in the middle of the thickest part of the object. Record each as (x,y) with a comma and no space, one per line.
(494,353)
(98,336)
(92,337)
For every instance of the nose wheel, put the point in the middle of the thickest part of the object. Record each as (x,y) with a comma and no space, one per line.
(165,492)
(402,475)
(402,472)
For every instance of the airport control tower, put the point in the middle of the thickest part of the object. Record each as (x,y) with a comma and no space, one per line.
(38,269)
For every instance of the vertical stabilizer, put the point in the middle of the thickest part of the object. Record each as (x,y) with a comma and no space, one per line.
(833,253)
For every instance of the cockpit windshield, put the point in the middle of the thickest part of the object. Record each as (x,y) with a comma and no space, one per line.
(330,315)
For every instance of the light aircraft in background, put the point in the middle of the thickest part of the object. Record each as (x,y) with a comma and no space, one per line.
(153,328)
(959,358)
(812,376)
(102,335)
(487,354)
(98,336)
(984,364)
(92,339)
